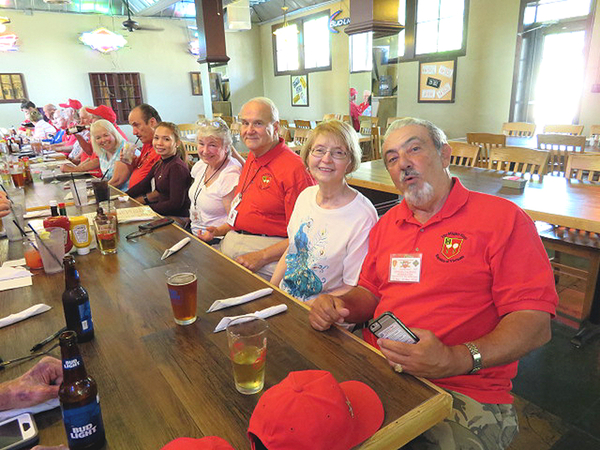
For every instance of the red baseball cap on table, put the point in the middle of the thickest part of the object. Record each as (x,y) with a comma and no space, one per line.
(103,111)
(75,104)
(206,443)
(310,409)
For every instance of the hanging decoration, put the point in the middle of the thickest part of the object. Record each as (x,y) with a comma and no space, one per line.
(8,43)
(103,40)
(194,44)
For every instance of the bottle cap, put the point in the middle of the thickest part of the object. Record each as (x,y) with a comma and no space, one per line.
(83,250)
(53,203)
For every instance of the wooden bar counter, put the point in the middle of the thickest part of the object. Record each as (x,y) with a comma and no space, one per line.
(157,380)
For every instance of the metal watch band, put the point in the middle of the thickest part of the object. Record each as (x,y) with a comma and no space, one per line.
(477,363)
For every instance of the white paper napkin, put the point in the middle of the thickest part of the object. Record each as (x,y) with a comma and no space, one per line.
(233,301)
(182,243)
(40,407)
(267,312)
(10,272)
(29,312)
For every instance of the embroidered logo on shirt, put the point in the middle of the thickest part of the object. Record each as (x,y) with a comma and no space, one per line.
(451,247)
(265,181)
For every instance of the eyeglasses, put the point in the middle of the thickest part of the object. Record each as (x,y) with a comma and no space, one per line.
(212,123)
(335,153)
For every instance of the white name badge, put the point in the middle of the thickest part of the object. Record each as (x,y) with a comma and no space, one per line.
(233,212)
(406,268)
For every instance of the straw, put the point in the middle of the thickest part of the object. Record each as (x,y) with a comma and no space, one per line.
(24,235)
(45,246)
(75,189)
(103,175)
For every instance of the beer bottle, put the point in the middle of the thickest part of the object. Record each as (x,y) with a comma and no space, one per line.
(77,129)
(79,400)
(76,303)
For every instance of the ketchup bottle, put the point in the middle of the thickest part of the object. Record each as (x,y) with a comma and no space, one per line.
(59,222)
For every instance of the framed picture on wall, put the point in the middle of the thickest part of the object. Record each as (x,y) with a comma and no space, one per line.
(437,81)
(299,84)
(196,83)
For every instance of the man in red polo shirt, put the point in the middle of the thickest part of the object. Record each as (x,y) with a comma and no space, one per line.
(271,180)
(143,119)
(467,273)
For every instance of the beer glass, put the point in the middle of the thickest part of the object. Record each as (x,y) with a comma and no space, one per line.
(106,233)
(247,338)
(182,283)
(101,190)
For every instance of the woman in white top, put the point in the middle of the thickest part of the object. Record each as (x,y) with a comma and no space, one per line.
(329,227)
(42,128)
(215,176)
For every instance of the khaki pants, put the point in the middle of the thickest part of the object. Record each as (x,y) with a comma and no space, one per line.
(471,426)
(235,244)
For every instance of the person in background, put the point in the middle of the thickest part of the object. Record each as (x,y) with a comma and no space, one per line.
(86,154)
(271,180)
(144,119)
(468,273)
(115,154)
(329,227)
(42,129)
(165,187)
(215,175)
(354,110)
(63,119)
(107,113)
(49,112)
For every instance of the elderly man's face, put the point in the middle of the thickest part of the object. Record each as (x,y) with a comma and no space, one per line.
(415,166)
(85,118)
(257,131)
(142,129)
(49,111)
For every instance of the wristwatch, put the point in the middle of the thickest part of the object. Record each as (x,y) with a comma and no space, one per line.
(146,201)
(477,363)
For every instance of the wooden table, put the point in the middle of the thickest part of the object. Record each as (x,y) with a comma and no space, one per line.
(158,380)
(531,142)
(557,200)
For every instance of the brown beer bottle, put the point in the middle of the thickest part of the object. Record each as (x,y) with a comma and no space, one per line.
(79,400)
(76,303)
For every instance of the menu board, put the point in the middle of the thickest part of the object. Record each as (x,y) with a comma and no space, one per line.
(299,85)
(437,81)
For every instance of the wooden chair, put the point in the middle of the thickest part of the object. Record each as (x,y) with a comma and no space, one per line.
(373,120)
(518,159)
(186,129)
(595,134)
(486,141)
(284,132)
(376,142)
(346,119)
(284,123)
(228,120)
(573,130)
(302,124)
(463,154)
(368,147)
(190,150)
(583,167)
(331,117)
(300,136)
(520,129)
(391,120)
(559,146)
(236,129)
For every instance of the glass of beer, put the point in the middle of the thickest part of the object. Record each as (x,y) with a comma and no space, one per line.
(106,233)
(247,338)
(182,283)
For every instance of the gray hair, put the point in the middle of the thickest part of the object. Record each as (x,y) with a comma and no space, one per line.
(268,103)
(103,123)
(216,127)
(435,133)
(342,132)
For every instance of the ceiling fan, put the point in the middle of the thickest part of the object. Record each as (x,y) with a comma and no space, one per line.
(131,25)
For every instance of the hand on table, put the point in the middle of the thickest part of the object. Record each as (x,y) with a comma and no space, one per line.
(428,358)
(37,385)
(251,261)
(66,168)
(327,310)
(4,205)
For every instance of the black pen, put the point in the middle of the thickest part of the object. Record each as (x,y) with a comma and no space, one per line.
(39,345)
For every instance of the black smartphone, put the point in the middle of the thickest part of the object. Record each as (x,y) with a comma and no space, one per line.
(388,326)
(156,224)
(18,432)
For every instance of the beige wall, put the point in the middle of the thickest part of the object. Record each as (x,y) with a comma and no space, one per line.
(590,104)
(56,64)
(327,91)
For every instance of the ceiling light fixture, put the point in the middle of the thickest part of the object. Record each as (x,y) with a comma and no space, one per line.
(285,28)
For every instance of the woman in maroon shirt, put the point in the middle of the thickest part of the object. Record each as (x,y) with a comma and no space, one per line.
(166,185)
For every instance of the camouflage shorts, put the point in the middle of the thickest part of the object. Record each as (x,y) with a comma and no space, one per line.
(471,426)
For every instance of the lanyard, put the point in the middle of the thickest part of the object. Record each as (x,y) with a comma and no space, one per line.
(246,186)
(205,182)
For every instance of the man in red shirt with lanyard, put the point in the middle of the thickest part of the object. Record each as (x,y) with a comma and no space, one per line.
(271,180)
(467,273)
(143,119)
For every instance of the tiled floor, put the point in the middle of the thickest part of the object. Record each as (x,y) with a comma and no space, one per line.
(558,389)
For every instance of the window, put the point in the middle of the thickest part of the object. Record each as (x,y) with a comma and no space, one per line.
(119,91)
(12,88)
(299,46)
(432,28)
(546,10)
(361,56)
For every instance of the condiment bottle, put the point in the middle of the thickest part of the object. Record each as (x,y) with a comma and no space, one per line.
(80,234)
(57,220)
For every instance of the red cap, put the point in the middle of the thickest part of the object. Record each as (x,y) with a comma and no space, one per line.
(206,443)
(75,104)
(310,409)
(353,91)
(103,111)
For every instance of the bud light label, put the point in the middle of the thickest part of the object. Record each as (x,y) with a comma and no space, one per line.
(72,363)
(84,424)
(85,317)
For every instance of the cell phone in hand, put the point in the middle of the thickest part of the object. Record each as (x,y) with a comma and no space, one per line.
(388,326)
(18,432)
